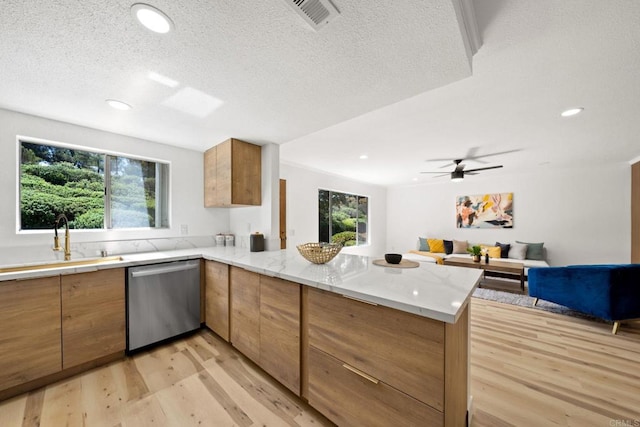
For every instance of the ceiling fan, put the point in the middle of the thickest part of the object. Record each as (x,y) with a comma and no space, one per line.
(459,172)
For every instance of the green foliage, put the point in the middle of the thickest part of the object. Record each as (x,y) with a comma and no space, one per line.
(346,238)
(475,250)
(90,219)
(55,180)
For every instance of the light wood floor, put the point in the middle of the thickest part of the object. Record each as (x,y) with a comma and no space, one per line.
(528,368)
(196,381)
(534,368)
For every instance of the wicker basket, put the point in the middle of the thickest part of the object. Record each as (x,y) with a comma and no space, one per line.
(319,253)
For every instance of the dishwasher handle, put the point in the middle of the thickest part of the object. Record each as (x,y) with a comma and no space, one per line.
(162,270)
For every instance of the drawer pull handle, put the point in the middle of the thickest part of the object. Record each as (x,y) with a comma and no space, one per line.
(360,373)
(360,300)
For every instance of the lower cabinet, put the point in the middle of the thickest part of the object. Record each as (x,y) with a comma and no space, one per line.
(93,316)
(245,312)
(265,324)
(30,345)
(357,363)
(280,331)
(349,397)
(217,298)
(371,365)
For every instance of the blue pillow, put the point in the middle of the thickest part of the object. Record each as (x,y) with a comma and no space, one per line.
(424,245)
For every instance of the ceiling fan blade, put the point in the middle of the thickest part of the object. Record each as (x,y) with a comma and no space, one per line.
(440,172)
(492,154)
(470,173)
(443,174)
(483,169)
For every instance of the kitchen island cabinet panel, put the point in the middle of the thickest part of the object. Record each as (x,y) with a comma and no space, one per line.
(280,331)
(401,349)
(93,316)
(245,312)
(350,399)
(30,345)
(217,298)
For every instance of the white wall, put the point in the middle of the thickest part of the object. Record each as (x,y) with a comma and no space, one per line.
(265,218)
(302,207)
(582,215)
(187,205)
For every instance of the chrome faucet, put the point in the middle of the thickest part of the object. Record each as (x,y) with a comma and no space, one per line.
(67,238)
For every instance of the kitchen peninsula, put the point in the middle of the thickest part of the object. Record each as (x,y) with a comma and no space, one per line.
(372,344)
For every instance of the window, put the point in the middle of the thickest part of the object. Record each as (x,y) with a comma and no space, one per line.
(343,218)
(94,190)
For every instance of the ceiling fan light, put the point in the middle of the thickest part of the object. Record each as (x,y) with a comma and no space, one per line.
(457,176)
(572,112)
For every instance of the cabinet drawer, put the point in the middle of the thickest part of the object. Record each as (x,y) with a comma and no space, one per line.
(401,349)
(349,399)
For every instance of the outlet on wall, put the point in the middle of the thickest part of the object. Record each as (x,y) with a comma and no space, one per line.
(184,229)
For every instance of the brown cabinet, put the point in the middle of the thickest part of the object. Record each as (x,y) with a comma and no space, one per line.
(233,174)
(245,312)
(414,364)
(93,316)
(280,331)
(348,398)
(30,345)
(217,298)
(265,324)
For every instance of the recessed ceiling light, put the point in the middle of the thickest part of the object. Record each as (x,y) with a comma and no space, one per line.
(415,179)
(572,112)
(152,18)
(118,105)
(364,157)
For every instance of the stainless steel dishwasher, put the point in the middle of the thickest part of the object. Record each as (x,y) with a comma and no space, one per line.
(163,300)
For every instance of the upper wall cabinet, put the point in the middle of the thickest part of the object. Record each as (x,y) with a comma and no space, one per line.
(233,174)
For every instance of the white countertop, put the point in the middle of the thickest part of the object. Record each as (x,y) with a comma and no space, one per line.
(430,290)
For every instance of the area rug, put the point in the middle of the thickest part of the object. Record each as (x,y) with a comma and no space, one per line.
(527,301)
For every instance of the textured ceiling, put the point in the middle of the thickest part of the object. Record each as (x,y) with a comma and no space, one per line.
(277,78)
(392,80)
(537,59)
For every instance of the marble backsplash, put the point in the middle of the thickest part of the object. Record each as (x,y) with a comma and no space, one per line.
(44,253)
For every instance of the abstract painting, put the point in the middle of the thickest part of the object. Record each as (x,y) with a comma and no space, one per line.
(485,211)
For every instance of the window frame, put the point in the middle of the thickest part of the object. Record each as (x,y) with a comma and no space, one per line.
(353,194)
(163,209)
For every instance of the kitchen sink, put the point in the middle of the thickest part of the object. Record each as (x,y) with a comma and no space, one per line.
(61,264)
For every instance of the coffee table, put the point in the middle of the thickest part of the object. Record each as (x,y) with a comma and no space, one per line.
(494,268)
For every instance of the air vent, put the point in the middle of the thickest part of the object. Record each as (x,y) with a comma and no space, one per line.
(316,13)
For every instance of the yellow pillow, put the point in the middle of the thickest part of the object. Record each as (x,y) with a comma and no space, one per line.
(493,251)
(436,245)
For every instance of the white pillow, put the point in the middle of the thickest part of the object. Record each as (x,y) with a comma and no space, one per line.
(460,246)
(518,251)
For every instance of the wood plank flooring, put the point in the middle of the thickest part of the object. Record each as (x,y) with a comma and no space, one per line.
(528,368)
(534,368)
(196,381)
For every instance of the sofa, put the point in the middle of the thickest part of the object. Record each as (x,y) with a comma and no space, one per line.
(610,292)
(436,250)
